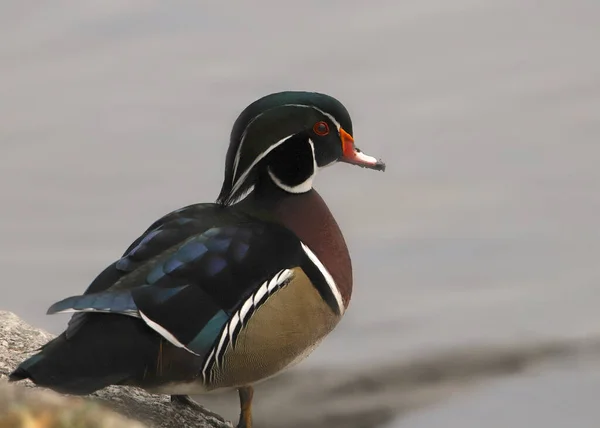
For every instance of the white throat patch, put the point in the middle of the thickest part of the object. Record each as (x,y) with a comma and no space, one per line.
(238,183)
(306,185)
(243,177)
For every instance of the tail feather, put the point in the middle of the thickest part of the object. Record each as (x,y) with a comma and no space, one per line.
(21,372)
(110,349)
(40,375)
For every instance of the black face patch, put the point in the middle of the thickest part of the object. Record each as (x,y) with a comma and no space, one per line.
(328,149)
(266,122)
(292,162)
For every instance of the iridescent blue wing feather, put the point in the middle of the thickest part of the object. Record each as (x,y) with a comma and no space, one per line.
(188,291)
(163,234)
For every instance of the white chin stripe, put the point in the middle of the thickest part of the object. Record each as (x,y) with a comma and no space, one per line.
(238,183)
(328,278)
(299,188)
(307,184)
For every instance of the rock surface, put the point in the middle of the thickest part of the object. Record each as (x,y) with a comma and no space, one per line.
(350,397)
(25,407)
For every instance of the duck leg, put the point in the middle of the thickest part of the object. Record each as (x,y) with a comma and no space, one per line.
(246,394)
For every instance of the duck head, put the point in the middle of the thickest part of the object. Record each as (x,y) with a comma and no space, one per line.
(287,137)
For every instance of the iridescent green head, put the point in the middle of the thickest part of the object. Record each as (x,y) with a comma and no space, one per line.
(289,136)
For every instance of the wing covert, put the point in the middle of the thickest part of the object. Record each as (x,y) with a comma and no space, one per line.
(188,292)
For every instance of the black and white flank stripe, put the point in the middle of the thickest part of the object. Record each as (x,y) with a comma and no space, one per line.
(319,276)
(240,318)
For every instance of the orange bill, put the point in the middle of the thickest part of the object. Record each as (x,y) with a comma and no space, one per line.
(351,154)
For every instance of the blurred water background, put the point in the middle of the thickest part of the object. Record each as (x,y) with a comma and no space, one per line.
(476,253)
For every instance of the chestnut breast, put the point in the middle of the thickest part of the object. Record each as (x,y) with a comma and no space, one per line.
(308,216)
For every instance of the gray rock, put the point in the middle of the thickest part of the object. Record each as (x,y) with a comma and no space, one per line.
(18,340)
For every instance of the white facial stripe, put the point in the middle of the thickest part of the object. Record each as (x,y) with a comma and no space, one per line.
(335,122)
(306,185)
(241,180)
(328,278)
(324,113)
(239,150)
(163,332)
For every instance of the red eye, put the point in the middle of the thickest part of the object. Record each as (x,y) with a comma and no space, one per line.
(321,128)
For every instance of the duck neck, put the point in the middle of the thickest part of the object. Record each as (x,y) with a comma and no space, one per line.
(307,215)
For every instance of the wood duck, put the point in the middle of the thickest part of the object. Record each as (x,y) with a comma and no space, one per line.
(221,295)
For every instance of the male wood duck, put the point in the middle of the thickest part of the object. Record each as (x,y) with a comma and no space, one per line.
(221,295)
